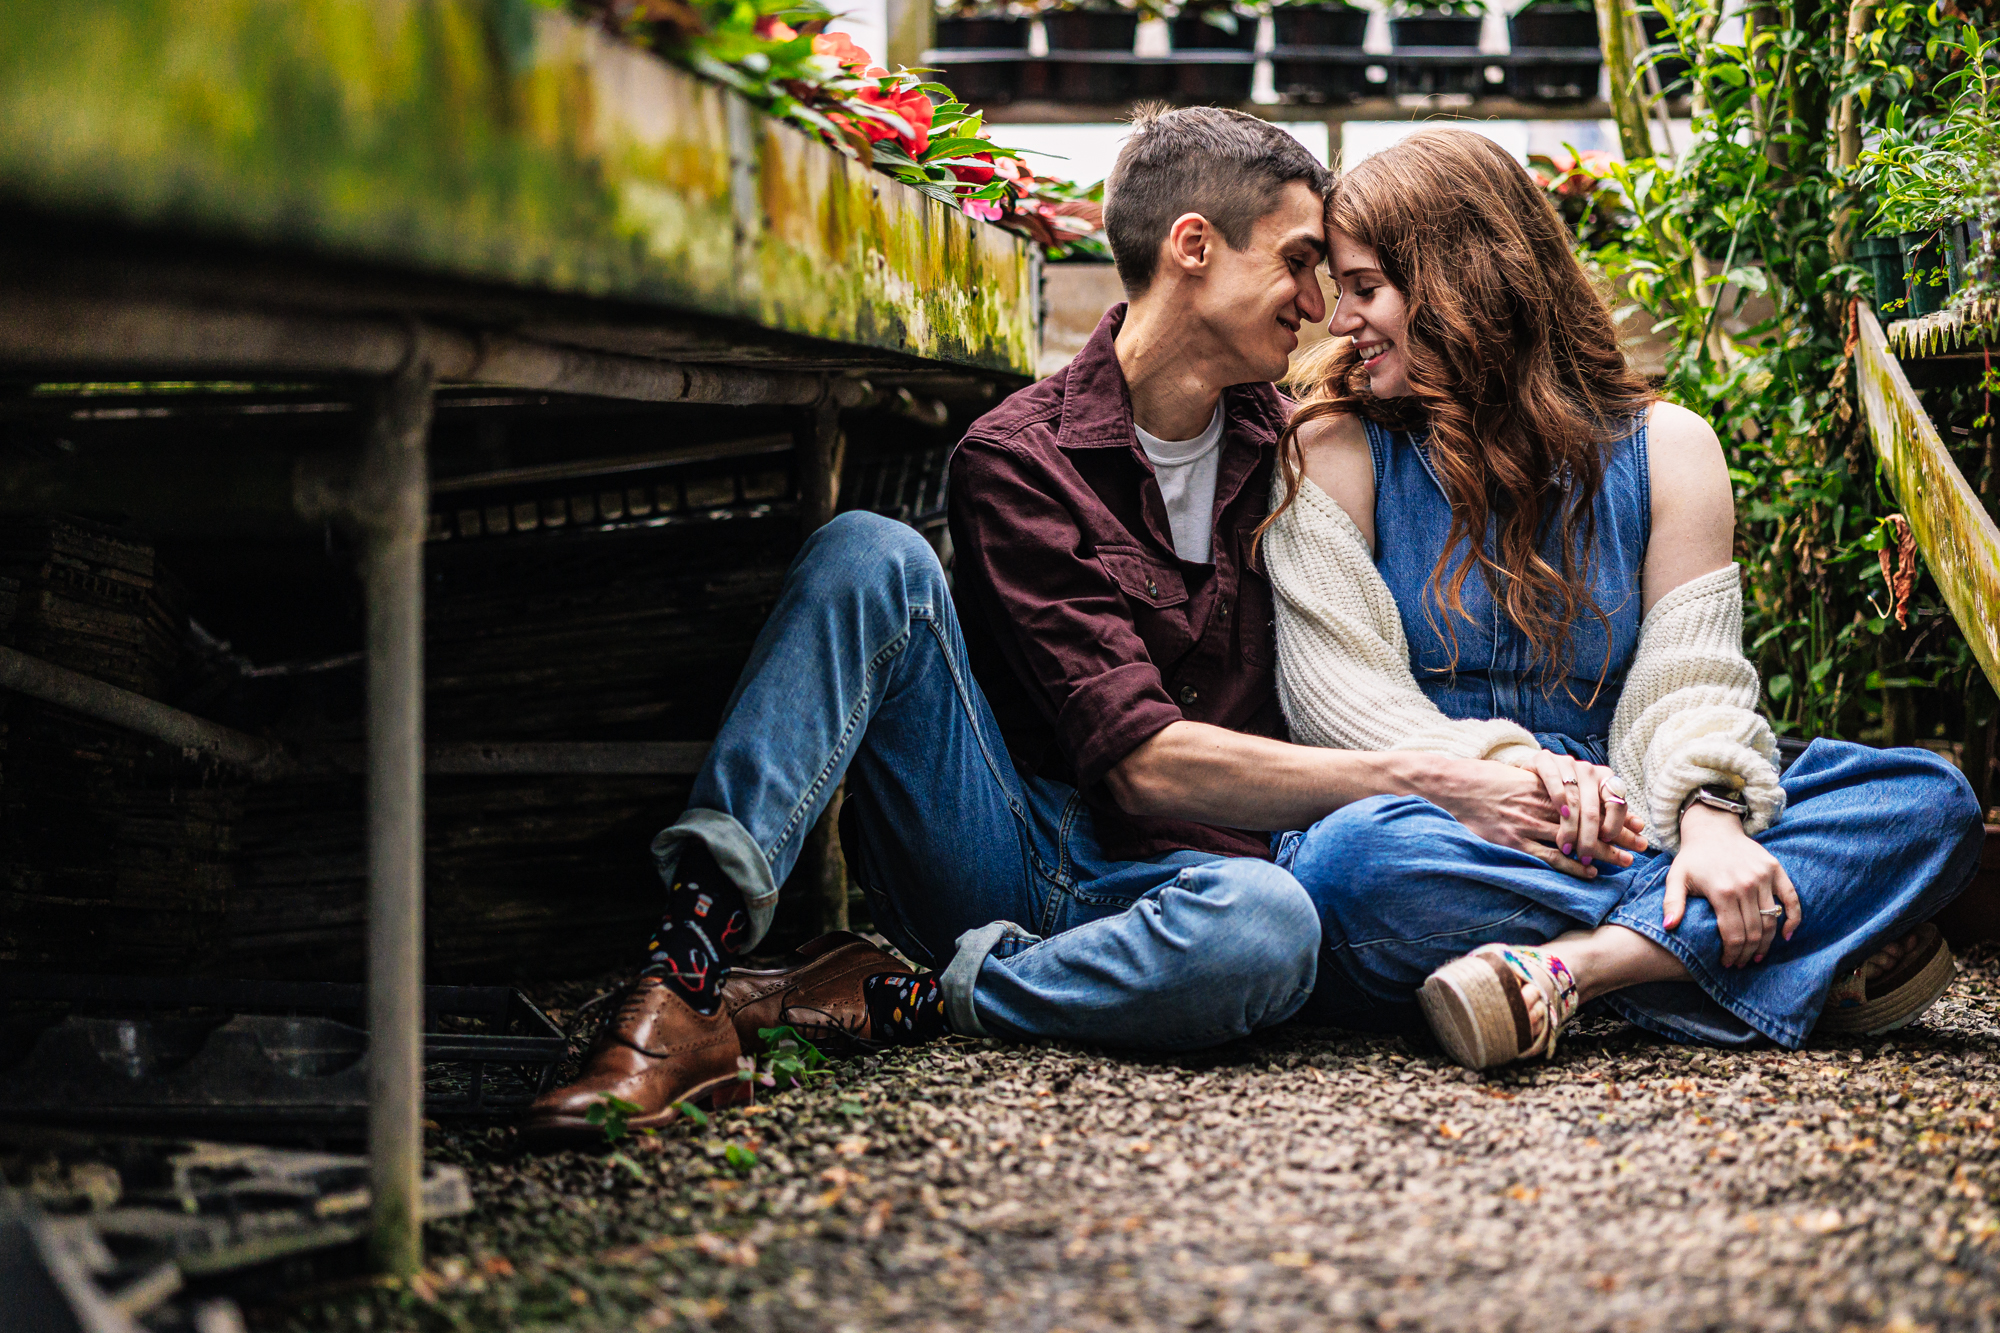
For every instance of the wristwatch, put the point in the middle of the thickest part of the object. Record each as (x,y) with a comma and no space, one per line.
(1716,797)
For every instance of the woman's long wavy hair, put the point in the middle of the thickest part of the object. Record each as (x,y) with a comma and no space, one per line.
(1513,365)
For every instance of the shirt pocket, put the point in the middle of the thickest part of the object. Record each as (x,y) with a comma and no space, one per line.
(1143,578)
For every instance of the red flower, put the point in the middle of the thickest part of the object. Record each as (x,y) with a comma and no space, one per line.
(911,105)
(974,175)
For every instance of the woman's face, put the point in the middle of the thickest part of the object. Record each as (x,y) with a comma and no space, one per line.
(1369,311)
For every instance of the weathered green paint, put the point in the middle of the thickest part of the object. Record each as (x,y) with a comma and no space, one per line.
(490,140)
(1958,538)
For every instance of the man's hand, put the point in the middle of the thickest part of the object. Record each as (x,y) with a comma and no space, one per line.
(1513,808)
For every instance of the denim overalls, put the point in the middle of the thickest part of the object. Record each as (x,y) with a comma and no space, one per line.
(1875,841)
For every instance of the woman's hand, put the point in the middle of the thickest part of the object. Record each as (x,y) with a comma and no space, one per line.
(1594,823)
(1513,807)
(1720,862)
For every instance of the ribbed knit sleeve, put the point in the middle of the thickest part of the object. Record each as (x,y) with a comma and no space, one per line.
(1344,676)
(1687,715)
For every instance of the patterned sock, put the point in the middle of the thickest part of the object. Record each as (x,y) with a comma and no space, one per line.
(696,940)
(904,1010)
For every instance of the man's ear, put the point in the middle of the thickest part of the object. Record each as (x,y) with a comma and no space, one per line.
(1189,243)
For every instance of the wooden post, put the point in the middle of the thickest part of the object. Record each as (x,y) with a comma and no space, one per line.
(1614,30)
(825,870)
(388,507)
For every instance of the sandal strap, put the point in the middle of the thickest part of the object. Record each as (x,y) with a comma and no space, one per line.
(1518,963)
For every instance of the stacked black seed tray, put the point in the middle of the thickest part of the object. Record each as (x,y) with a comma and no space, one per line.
(633,633)
(113,854)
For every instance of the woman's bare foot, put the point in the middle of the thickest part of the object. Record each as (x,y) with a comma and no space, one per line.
(1601,961)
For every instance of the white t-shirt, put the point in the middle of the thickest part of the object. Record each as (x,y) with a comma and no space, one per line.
(1186,471)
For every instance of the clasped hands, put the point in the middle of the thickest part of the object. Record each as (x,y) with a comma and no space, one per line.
(1572,815)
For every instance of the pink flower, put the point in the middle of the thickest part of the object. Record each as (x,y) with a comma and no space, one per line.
(774,29)
(842,48)
(984,209)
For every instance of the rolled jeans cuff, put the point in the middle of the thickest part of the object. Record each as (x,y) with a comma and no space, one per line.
(961,975)
(736,854)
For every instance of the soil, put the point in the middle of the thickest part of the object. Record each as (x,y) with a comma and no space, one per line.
(1306,1179)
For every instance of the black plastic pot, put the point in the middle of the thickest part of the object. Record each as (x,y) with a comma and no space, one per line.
(996,32)
(1436,78)
(1670,67)
(1318,25)
(1080,81)
(1966,244)
(1553,27)
(1090,30)
(1927,274)
(1882,258)
(1213,82)
(1554,80)
(986,82)
(1191,32)
(1334,81)
(1434,30)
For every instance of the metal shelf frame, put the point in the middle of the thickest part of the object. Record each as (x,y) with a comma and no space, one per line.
(394,196)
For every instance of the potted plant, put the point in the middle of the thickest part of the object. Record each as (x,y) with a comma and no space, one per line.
(1318,23)
(1556,56)
(1544,23)
(1437,23)
(1213,25)
(981,27)
(1074,26)
(1224,36)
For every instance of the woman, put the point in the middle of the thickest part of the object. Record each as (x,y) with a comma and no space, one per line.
(1489,539)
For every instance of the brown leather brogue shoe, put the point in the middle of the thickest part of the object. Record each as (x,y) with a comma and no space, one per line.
(655,1052)
(818,992)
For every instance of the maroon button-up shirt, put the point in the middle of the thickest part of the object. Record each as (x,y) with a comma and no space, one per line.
(1086,632)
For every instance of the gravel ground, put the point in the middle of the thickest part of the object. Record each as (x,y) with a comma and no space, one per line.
(1303,1180)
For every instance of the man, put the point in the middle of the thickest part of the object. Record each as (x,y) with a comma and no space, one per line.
(1061,800)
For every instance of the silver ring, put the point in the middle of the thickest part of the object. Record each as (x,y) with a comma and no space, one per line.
(1569,782)
(1771,911)
(1605,793)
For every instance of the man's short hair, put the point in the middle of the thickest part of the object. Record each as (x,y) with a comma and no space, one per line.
(1227,166)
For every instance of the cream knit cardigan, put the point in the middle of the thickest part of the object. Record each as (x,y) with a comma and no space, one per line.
(1686,715)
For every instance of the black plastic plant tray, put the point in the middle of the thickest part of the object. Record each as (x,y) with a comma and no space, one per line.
(203,1207)
(262,1056)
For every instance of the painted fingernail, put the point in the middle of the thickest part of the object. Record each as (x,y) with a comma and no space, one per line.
(1758,959)
(1565,812)
(1568,847)
(1586,860)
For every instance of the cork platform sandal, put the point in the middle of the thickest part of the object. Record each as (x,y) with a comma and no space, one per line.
(1873,1005)
(1476,1010)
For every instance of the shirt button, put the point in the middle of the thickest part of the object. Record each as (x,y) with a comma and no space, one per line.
(1152,588)
(1188,695)
(1225,610)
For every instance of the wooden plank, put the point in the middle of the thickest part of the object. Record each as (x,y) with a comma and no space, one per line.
(491,141)
(1957,536)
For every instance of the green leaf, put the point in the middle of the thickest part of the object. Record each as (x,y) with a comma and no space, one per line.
(739,1157)
(693,1113)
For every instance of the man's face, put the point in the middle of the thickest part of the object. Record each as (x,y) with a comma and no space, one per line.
(1255,300)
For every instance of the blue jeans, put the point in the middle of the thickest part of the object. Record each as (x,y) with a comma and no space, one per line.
(861,673)
(1875,842)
